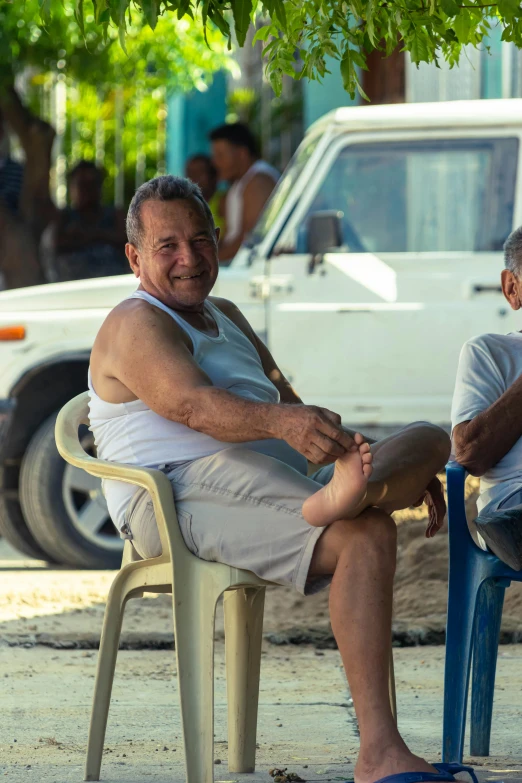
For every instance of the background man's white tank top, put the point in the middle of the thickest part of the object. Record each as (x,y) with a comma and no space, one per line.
(234,200)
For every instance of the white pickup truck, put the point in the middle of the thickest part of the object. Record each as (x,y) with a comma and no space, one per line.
(377,256)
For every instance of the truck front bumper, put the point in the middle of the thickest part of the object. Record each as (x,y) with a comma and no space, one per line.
(7,408)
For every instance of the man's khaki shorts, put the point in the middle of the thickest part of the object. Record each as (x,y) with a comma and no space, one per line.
(241,508)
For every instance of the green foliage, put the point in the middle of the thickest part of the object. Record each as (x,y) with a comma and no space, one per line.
(78,38)
(299,34)
(75,42)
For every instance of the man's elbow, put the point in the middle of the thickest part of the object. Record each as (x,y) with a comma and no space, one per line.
(186,413)
(190,410)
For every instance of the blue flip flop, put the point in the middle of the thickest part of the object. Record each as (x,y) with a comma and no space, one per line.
(446,772)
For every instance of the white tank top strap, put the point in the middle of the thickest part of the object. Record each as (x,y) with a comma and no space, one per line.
(195,334)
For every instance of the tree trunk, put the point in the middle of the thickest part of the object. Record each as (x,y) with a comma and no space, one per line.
(20,236)
(385,81)
(19,262)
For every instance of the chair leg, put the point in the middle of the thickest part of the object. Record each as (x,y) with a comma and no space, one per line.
(243,639)
(485,648)
(107,654)
(462,598)
(391,687)
(194,618)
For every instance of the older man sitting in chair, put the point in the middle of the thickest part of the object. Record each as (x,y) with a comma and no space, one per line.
(180,381)
(487,421)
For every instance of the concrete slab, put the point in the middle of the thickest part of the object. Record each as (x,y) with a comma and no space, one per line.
(306,721)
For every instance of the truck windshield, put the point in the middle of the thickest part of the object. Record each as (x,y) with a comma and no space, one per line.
(282,190)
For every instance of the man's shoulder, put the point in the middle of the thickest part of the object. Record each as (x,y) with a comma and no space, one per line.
(492,343)
(134,313)
(261,179)
(225,305)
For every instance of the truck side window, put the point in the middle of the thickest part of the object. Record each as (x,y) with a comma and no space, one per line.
(421,196)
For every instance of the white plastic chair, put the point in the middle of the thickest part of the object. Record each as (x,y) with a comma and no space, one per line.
(196,585)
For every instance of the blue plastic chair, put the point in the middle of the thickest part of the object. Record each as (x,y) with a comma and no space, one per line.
(477,582)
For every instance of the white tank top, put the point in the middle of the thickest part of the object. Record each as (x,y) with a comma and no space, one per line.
(234,200)
(130,432)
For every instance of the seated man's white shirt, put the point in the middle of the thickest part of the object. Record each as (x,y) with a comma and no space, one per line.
(488,366)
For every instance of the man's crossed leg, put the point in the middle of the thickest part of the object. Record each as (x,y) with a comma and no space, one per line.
(360,553)
(246,509)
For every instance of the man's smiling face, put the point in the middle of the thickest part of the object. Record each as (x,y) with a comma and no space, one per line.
(177,260)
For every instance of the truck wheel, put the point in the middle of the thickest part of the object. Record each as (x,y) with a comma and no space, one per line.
(13,526)
(64,506)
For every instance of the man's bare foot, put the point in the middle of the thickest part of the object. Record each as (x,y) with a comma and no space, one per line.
(392,762)
(340,498)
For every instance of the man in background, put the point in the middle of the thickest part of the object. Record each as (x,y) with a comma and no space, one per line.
(87,239)
(201,170)
(252,180)
(487,425)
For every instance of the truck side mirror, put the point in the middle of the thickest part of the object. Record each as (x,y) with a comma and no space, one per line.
(324,232)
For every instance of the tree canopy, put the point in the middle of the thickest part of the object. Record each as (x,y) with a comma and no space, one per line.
(299,35)
(68,37)
(51,43)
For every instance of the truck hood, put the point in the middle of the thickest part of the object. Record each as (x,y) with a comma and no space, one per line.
(98,293)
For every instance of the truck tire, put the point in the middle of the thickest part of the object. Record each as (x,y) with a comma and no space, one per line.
(13,526)
(64,507)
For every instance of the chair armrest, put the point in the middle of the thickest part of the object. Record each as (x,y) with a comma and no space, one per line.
(456,479)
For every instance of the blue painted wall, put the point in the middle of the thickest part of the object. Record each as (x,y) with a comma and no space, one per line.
(321,97)
(191,116)
(491,86)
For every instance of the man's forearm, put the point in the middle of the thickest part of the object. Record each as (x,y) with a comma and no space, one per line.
(230,418)
(492,434)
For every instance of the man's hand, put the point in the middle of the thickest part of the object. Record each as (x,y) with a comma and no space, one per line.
(314,432)
(434,499)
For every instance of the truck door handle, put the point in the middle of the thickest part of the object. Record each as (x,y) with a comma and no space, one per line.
(487,288)
(260,288)
(263,287)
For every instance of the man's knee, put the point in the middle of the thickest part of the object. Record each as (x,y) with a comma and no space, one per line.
(373,535)
(436,440)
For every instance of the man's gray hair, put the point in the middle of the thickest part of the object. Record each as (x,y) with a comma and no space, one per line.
(513,252)
(166,188)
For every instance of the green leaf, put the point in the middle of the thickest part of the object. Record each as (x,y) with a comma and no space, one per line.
(121,36)
(370,27)
(418,47)
(183,8)
(78,15)
(101,11)
(276,8)
(221,23)
(348,72)
(449,7)
(150,9)
(359,60)
(45,10)
(463,25)
(276,80)
(241,10)
(262,34)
